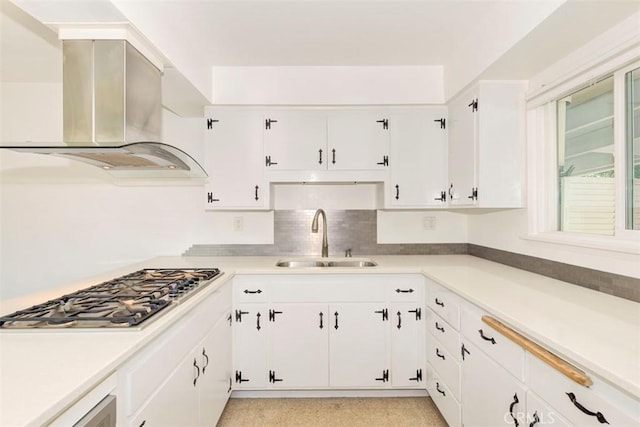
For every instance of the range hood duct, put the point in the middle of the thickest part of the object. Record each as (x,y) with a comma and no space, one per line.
(112,113)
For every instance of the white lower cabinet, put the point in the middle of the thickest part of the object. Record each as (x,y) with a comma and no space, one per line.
(329,332)
(443,398)
(490,396)
(184,377)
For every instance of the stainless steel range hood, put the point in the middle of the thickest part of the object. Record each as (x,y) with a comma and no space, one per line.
(112,112)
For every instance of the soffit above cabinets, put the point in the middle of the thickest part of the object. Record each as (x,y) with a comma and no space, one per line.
(466,37)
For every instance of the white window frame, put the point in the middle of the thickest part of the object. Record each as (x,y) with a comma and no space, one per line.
(542,161)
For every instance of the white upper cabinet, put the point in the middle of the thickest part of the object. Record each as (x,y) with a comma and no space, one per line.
(486,145)
(234,160)
(418,159)
(358,139)
(295,140)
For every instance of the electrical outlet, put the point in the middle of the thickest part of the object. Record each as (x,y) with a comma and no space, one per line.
(238,223)
(429,223)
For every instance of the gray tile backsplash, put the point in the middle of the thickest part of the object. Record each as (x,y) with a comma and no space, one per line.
(356,230)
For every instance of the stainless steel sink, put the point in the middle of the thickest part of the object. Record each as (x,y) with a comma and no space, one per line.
(352,263)
(326,262)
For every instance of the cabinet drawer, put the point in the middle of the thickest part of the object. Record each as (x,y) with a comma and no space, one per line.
(443,332)
(445,303)
(445,365)
(248,289)
(407,288)
(540,413)
(443,398)
(508,354)
(617,408)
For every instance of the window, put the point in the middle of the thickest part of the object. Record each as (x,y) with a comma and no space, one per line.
(597,193)
(586,175)
(632,181)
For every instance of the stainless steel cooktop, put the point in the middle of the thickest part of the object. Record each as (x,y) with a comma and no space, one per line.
(123,302)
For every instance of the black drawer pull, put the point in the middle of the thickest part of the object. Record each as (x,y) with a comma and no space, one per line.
(440,328)
(441,356)
(321,325)
(195,365)
(404,291)
(536,419)
(440,303)
(247,291)
(493,341)
(513,404)
(598,415)
(440,391)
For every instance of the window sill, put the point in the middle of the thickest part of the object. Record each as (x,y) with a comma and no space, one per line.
(606,243)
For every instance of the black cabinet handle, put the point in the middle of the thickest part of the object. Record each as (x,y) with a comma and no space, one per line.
(417,312)
(451,191)
(239,378)
(463,350)
(490,339)
(247,291)
(258,321)
(438,388)
(272,315)
(256,196)
(474,105)
(333,154)
(443,196)
(397,192)
(321,326)
(384,162)
(438,302)
(206,360)
(336,325)
(536,419)
(404,291)
(384,312)
(268,161)
(195,364)
(601,419)
(142,423)
(418,376)
(320,156)
(474,194)
(385,376)
(239,314)
(399,320)
(272,377)
(443,123)
(441,356)
(267,123)
(211,199)
(440,328)
(511,406)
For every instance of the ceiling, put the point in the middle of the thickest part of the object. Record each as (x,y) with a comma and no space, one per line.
(200,34)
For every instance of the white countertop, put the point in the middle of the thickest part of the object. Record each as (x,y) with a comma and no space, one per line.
(43,373)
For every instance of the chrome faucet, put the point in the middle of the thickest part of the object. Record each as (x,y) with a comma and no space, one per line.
(314,229)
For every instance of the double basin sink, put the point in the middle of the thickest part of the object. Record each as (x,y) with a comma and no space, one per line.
(325,262)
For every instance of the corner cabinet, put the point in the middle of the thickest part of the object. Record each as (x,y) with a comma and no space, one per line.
(486,145)
(328,332)
(234,160)
(418,158)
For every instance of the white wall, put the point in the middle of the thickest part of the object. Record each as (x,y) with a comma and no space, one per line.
(328,85)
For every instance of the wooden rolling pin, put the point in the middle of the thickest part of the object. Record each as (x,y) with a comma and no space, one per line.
(541,353)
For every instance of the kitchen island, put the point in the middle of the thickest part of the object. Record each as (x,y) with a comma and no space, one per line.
(46,372)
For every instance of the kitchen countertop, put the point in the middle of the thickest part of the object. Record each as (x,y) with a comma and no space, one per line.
(45,372)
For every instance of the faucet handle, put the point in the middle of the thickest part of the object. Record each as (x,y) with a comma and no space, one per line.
(347,253)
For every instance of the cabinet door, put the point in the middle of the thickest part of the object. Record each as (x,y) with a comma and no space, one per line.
(490,395)
(299,345)
(358,345)
(251,368)
(407,332)
(358,140)
(234,161)
(418,159)
(215,382)
(462,150)
(176,400)
(295,140)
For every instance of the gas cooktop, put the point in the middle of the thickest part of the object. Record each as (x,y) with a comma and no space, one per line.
(124,302)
